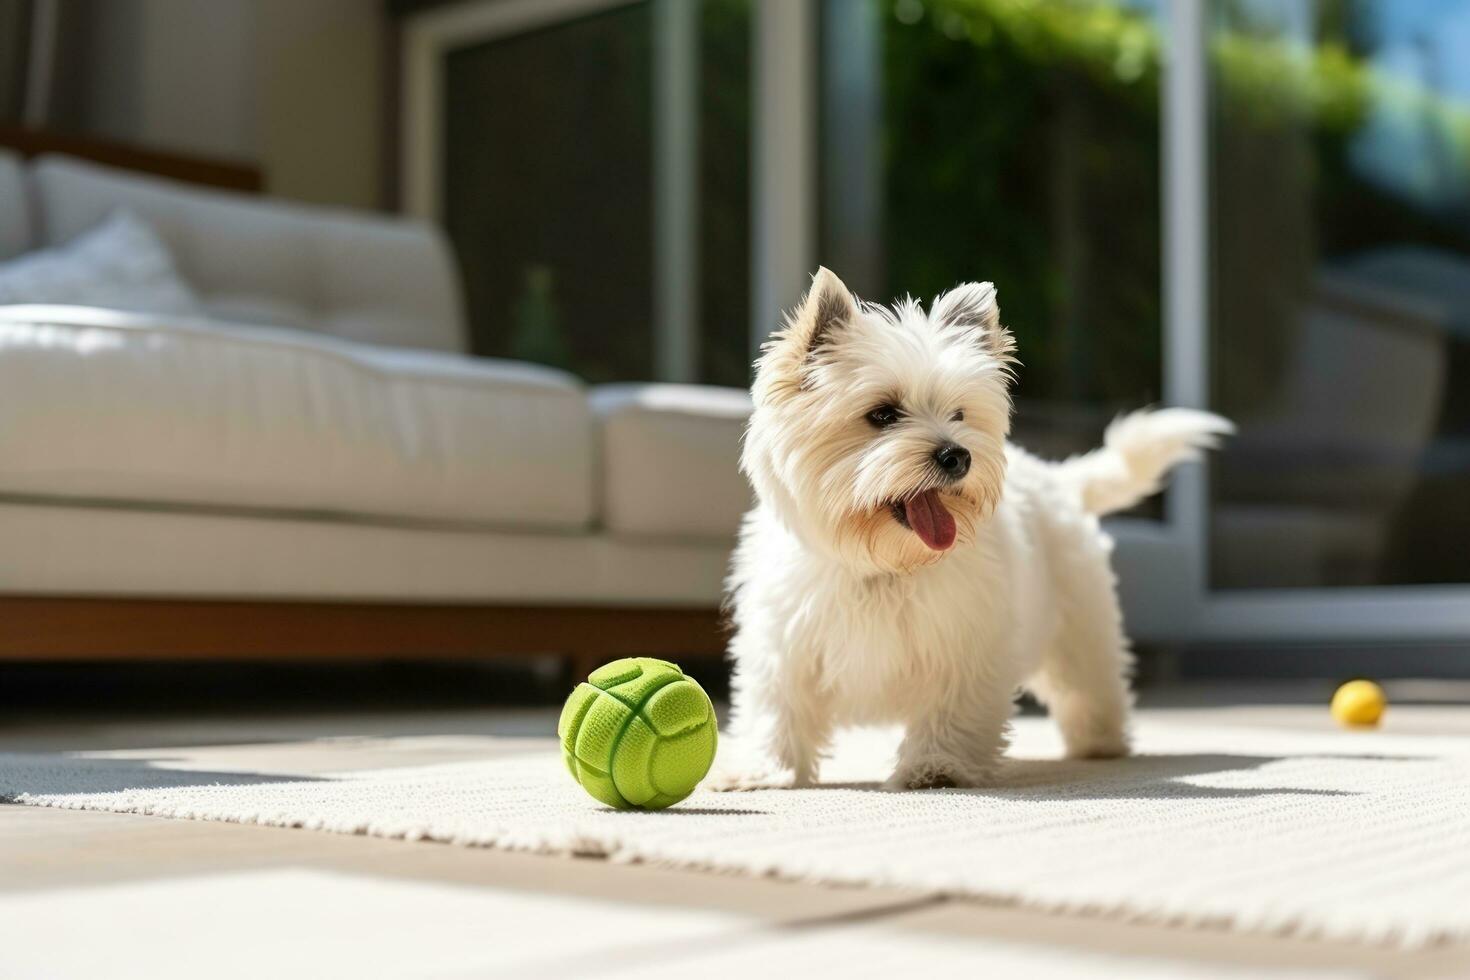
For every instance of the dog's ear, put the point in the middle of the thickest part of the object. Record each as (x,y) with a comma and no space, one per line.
(819,321)
(828,309)
(972,306)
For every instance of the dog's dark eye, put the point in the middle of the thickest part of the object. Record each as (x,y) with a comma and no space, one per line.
(958,416)
(883,416)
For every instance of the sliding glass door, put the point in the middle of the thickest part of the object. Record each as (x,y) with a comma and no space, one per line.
(1337,170)
(1340,299)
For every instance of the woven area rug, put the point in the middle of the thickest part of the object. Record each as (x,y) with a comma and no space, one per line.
(1338,835)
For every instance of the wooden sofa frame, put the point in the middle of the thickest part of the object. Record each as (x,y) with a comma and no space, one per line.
(67,628)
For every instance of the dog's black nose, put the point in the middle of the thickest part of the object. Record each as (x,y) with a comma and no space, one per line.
(953,460)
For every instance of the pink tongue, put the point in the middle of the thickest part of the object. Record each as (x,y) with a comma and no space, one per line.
(931,522)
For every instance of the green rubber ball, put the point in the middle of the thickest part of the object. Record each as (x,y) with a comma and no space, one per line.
(638,733)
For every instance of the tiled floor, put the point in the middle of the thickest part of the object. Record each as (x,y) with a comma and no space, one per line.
(141,895)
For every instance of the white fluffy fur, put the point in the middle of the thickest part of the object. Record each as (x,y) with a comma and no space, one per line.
(845,617)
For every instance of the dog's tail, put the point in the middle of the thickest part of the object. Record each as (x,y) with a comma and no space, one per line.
(1138,450)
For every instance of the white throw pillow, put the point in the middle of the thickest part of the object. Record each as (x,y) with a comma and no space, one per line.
(120,264)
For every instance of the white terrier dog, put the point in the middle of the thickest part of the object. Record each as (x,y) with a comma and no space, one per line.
(904,563)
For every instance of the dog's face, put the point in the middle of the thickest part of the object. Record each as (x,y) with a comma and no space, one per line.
(879,434)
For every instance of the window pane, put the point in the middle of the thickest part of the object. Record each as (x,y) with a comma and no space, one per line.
(548,173)
(1017,143)
(724,192)
(1340,242)
(547,196)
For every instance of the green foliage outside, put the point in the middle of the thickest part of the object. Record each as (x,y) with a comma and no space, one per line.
(1021,144)
(1018,150)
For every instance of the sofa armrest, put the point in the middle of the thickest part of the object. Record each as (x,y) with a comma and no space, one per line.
(671,459)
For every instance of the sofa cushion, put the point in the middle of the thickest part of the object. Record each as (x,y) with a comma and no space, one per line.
(108,406)
(120,264)
(362,277)
(671,459)
(15,214)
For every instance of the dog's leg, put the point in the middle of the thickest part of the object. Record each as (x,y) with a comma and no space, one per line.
(958,741)
(800,734)
(1083,679)
(782,726)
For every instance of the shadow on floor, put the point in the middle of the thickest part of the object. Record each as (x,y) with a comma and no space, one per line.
(1138,777)
(49,774)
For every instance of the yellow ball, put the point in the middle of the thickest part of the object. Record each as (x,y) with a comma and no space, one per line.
(1358,703)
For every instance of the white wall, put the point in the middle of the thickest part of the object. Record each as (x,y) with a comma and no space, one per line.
(172,74)
(295,86)
(320,98)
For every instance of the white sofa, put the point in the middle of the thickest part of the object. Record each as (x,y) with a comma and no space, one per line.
(321,435)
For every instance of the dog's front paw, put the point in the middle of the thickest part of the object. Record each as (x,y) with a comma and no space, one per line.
(743,765)
(744,780)
(930,780)
(1097,744)
(1095,741)
(939,774)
